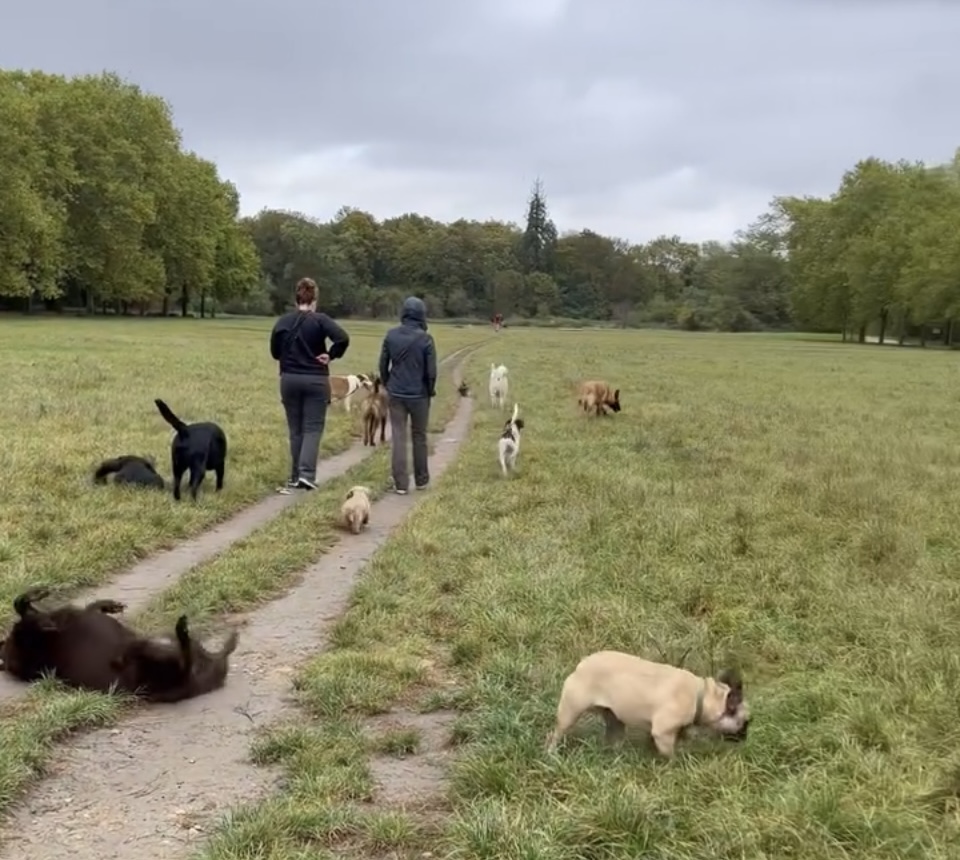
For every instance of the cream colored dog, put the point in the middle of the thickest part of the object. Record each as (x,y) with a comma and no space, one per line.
(630,691)
(499,386)
(355,510)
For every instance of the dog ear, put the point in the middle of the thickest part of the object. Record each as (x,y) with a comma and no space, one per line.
(349,495)
(731,677)
(616,395)
(519,423)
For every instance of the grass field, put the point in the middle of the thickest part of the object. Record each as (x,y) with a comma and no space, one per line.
(79,391)
(784,505)
(57,528)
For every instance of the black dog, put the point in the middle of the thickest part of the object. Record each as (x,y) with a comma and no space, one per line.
(198,448)
(85,647)
(129,469)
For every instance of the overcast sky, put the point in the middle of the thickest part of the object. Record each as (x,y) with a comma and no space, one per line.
(641,118)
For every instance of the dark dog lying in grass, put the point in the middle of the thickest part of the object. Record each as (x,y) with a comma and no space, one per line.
(89,649)
(197,448)
(130,469)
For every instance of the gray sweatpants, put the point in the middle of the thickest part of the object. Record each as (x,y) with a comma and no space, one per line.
(417,410)
(304,397)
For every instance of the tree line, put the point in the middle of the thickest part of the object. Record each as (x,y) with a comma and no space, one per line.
(102,207)
(882,253)
(474,269)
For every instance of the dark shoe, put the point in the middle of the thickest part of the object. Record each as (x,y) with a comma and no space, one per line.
(304,484)
(423,486)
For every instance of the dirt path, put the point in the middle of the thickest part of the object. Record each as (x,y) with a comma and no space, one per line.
(150,788)
(141,583)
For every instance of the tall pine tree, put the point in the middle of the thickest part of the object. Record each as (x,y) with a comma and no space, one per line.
(539,241)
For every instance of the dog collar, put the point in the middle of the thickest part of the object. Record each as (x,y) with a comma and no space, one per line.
(698,710)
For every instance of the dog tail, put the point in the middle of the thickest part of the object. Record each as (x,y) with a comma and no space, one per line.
(516,412)
(107,467)
(169,417)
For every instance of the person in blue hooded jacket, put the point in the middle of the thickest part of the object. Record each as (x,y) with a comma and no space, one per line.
(408,370)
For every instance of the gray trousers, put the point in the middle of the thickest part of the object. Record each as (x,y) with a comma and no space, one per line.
(417,411)
(304,397)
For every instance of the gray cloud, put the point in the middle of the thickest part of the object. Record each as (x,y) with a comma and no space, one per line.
(641,118)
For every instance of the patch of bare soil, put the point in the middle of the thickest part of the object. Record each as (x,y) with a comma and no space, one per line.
(152,787)
(419,777)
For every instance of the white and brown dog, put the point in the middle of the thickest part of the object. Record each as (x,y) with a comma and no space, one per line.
(355,510)
(630,691)
(353,386)
(499,387)
(509,444)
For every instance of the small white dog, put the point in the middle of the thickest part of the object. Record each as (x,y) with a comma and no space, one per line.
(355,510)
(509,444)
(349,388)
(498,385)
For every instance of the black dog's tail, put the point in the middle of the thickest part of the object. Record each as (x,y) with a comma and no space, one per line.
(107,467)
(169,417)
(186,643)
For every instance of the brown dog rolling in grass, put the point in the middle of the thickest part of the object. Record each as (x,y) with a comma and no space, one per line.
(355,510)
(375,413)
(630,691)
(598,397)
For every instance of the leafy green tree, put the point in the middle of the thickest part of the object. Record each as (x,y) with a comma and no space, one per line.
(31,219)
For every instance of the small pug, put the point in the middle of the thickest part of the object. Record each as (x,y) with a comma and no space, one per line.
(630,691)
(355,510)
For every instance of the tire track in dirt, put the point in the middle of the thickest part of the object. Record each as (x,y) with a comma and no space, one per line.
(151,787)
(137,586)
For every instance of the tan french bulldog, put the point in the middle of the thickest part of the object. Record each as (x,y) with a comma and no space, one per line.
(355,510)
(630,691)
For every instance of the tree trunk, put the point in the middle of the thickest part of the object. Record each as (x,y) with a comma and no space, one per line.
(203,305)
(923,334)
(165,308)
(948,335)
(883,325)
(184,301)
(862,334)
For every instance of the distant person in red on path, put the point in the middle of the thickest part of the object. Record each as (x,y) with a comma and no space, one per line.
(497,321)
